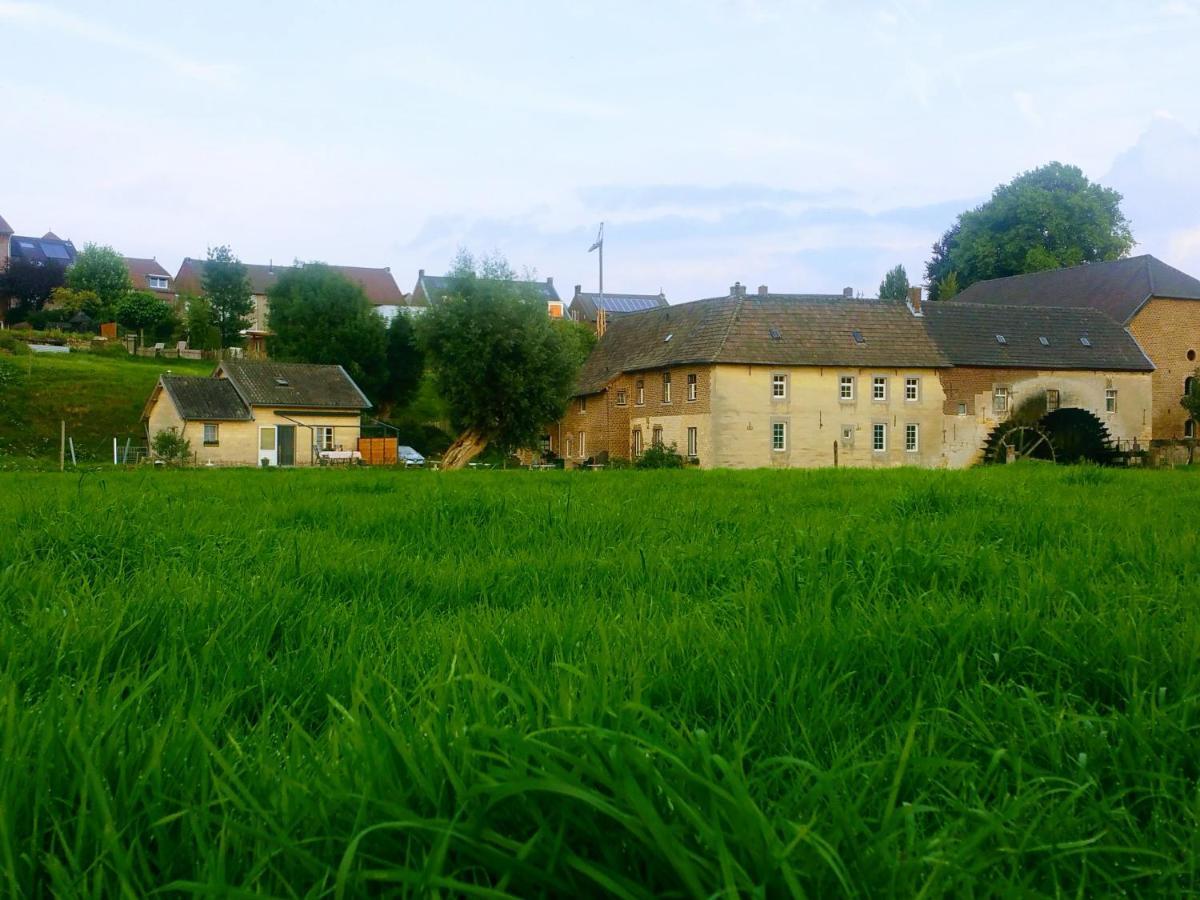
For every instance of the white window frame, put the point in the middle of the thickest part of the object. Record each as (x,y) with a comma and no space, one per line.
(158,282)
(582,448)
(1000,399)
(656,436)
(639,392)
(879,388)
(1110,400)
(622,398)
(912,437)
(638,444)
(846,388)
(216,434)
(912,389)
(666,387)
(878,437)
(323,436)
(693,385)
(693,441)
(779,386)
(779,437)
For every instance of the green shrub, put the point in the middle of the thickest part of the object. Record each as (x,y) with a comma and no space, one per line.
(171,446)
(660,456)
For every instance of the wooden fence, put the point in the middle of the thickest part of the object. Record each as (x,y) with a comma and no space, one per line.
(377,451)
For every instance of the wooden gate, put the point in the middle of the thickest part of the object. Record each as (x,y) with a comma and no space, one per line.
(379,451)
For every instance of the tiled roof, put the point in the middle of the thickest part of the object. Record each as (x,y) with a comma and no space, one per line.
(42,249)
(197,397)
(584,305)
(1040,338)
(1117,288)
(378,284)
(140,269)
(300,385)
(436,287)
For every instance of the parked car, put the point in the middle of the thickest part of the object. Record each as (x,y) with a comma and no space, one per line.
(409,456)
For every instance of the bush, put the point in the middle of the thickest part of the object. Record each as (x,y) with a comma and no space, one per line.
(660,457)
(171,446)
(10,343)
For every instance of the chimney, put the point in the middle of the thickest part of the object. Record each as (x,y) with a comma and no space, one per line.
(550,281)
(737,290)
(420,273)
(601,322)
(848,293)
(914,300)
(762,290)
(578,289)
(387,269)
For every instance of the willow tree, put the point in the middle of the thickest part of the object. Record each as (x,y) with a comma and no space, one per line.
(501,366)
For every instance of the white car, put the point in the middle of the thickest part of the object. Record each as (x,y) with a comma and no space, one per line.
(409,456)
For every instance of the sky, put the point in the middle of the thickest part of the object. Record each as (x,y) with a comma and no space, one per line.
(806,145)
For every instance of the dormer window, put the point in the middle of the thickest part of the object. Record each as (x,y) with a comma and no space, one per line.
(157,282)
(1085,342)
(858,337)
(1001,339)
(1044,341)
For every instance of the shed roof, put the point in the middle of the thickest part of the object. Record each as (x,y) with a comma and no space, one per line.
(198,397)
(300,385)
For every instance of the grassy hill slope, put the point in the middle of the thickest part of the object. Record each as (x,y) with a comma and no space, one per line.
(99,397)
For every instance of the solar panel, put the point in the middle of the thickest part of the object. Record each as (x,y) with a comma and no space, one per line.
(626,304)
(55,251)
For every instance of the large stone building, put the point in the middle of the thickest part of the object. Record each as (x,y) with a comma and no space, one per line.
(778,380)
(1159,304)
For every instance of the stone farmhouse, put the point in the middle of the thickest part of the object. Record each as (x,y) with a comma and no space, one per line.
(259,413)
(788,380)
(1159,304)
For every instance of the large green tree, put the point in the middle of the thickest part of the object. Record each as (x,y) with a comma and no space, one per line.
(1043,219)
(318,315)
(502,366)
(25,286)
(405,362)
(227,287)
(141,310)
(101,270)
(894,285)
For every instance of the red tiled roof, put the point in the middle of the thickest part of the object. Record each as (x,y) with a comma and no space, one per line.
(378,284)
(140,268)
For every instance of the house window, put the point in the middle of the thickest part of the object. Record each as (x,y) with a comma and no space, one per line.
(693,440)
(640,392)
(912,437)
(324,435)
(570,447)
(962,407)
(544,444)
(1188,384)
(1000,399)
(1189,428)
(637,442)
(583,404)
(1052,400)
(878,437)
(779,436)
(211,434)
(879,388)
(157,282)
(846,387)
(1110,400)
(847,435)
(582,445)
(693,387)
(656,436)
(779,386)
(912,389)
(621,397)
(666,394)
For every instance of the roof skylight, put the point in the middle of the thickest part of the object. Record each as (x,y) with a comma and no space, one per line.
(858,337)
(1001,339)
(1044,341)
(1085,341)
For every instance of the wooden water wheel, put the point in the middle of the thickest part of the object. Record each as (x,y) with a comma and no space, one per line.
(1023,442)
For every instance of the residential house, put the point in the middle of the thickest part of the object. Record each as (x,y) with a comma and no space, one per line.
(597,310)
(1157,303)
(432,289)
(49,248)
(252,413)
(378,284)
(6,234)
(794,380)
(148,275)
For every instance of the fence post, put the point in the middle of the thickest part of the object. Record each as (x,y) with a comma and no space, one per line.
(114,451)
(62,445)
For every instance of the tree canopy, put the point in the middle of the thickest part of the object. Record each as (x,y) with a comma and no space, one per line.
(140,310)
(405,362)
(502,366)
(227,287)
(27,285)
(1043,219)
(894,285)
(101,270)
(318,315)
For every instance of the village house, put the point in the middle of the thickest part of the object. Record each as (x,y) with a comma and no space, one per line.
(149,275)
(598,309)
(791,380)
(432,289)
(1157,303)
(251,413)
(378,284)
(49,248)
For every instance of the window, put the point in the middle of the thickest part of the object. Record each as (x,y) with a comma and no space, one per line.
(583,404)
(912,436)
(1188,384)
(582,445)
(779,386)
(879,388)
(157,282)
(656,436)
(668,338)
(693,387)
(266,438)
(1085,342)
(847,435)
(637,442)
(846,387)
(962,407)
(779,436)
(324,437)
(211,438)
(1110,400)
(1001,339)
(1052,400)
(570,447)
(858,337)
(1189,428)
(693,440)
(666,394)
(621,399)
(1044,341)
(878,437)
(775,334)
(912,389)
(1000,400)
(640,392)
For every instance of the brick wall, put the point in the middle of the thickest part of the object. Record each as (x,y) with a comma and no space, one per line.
(1168,331)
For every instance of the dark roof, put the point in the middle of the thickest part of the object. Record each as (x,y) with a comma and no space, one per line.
(378,284)
(42,249)
(585,305)
(763,329)
(969,334)
(141,269)
(1117,288)
(5,228)
(436,287)
(197,397)
(301,385)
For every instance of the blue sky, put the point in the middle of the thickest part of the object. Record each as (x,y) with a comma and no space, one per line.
(807,145)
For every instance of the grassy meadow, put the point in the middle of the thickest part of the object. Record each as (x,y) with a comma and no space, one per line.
(690,684)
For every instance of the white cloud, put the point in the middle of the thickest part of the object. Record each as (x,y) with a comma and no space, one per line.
(1026,107)
(37,15)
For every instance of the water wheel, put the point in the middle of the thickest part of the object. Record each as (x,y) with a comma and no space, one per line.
(1024,442)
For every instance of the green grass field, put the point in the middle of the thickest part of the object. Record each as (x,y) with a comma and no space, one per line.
(331,683)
